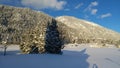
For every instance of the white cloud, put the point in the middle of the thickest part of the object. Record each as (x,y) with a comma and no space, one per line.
(78,6)
(41,4)
(91,8)
(94,11)
(91,5)
(66,9)
(94,3)
(106,15)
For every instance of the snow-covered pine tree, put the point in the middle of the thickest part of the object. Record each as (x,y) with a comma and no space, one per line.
(53,43)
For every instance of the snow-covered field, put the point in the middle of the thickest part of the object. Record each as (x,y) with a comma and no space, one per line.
(73,57)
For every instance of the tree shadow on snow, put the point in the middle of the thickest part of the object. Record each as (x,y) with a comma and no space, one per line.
(16,52)
(69,59)
(76,59)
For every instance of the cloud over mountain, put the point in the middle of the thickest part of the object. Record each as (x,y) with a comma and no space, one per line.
(42,4)
(79,5)
(91,8)
(94,11)
(106,15)
(91,5)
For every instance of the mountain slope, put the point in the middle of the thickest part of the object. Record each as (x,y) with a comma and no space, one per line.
(34,31)
(87,30)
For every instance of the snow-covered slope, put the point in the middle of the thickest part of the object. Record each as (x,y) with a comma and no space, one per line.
(88,29)
(72,22)
(82,31)
(75,57)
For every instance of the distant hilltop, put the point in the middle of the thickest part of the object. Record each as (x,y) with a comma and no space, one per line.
(25,26)
(82,31)
(88,30)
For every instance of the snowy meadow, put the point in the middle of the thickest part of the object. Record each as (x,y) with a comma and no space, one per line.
(72,57)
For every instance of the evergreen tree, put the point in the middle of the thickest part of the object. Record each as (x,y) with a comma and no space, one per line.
(52,39)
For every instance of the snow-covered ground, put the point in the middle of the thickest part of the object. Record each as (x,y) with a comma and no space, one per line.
(73,57)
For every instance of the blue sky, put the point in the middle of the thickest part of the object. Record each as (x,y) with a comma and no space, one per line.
(102,12)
